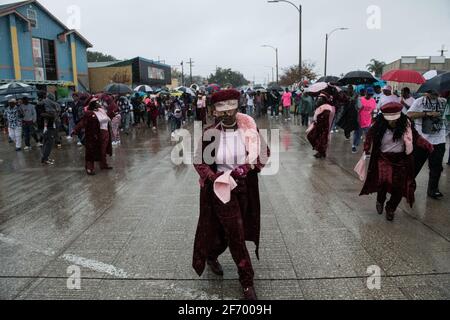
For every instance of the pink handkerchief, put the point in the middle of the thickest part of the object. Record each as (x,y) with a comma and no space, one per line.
(223,187)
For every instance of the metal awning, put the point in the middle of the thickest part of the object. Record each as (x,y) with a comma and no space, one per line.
(45,83)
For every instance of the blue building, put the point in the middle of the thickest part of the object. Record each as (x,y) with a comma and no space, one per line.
(37,48)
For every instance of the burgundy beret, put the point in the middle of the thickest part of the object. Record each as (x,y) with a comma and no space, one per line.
(392,108)
(225,95)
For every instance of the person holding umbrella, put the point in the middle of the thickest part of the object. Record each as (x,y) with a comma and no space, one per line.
(428,114)
(319,133)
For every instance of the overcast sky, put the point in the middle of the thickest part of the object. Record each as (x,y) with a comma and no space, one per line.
(229,33)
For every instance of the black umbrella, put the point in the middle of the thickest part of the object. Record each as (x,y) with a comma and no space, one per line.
(440,84)
(329,79)
(275,87)
(117,88)
(357,78)
(16,88)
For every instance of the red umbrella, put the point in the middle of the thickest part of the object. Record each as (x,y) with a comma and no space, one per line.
(404,76)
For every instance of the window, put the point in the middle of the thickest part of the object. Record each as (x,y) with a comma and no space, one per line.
(48,47)
(32,16)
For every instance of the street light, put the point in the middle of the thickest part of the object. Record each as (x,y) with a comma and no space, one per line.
(276,53)
(300,11)
(326,45)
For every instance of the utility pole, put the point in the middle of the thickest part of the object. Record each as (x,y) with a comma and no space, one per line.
(191,64)
(182,73)
(443,51)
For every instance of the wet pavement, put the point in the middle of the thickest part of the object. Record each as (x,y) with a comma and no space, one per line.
(131,230)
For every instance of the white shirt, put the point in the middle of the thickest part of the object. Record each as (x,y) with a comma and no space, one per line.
(389,145)
(250,100)
(102,118)
(231,152)
(422,105)
(410,101)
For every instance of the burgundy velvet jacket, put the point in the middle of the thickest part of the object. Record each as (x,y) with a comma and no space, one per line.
(373,146)
(209,227)
(319,137)
(91,125)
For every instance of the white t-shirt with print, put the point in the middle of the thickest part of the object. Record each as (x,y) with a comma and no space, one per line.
(422,105)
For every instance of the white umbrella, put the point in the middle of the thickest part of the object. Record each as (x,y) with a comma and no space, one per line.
(143,88)
(317,87)
(432,74)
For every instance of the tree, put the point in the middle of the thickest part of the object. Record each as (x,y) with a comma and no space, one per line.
(94,56)
(376,67)
(292,75)
(227,76)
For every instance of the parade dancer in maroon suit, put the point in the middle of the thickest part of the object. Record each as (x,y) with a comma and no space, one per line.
(97,125)
(229,216)
(319,132)
(390,143)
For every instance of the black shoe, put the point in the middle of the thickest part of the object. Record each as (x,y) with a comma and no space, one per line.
(390,215)
(250,294)
(380,208)
(436,195)
(215,267)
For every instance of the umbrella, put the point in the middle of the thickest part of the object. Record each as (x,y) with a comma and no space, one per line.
(144,88)
(404,76)
(317,87)
(440,84)
(432,73)
(275,87)
(186,90)
(117,88)
(329,79)
(16,87)
(213,87)
(357,78)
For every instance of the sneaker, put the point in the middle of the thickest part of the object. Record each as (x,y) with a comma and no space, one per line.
(59,146)
(18,149)
(354,150)
(26,149)
(48,163)
(79,144)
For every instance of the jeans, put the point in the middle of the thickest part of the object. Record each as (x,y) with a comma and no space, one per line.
(126,121)
(49,140)
(305,120)
(275,110)
(358,134)
(175,124)
(287,112)
(250,110)
(28,131)
(71,125)
(435,161)
(15,134)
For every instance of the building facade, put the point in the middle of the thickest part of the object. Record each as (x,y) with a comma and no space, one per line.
(419,64)
(133,72)
(37,48)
